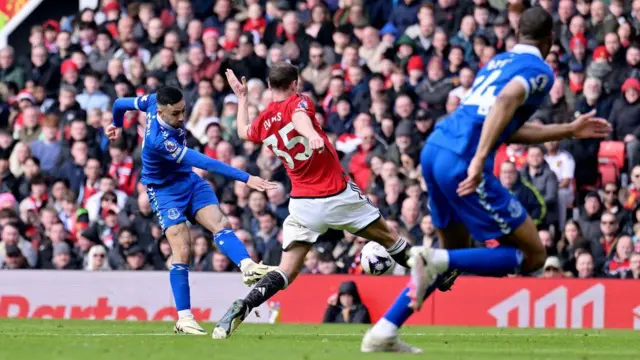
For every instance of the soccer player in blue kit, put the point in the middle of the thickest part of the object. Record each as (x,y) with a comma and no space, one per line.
(466,199)
(177,194)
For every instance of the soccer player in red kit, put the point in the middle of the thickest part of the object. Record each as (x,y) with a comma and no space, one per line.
(322,196)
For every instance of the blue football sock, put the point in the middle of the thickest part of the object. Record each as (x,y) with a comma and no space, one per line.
(179,279)
(498,261)
(231,246)
(400,311)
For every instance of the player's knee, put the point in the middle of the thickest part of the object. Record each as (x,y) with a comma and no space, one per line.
(179,242)
(222,223)
(534,258)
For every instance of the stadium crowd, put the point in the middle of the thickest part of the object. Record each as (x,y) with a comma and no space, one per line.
(382,73)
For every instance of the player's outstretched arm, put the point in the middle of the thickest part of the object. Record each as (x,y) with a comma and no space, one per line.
(196,159)
(502,111)
(120,107)
(302,124)
(240,89)
(584,126)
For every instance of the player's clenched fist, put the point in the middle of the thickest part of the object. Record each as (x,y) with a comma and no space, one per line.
(260,184)
(113,132)
(317,143)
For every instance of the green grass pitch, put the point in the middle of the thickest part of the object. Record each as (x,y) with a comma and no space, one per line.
(82,340)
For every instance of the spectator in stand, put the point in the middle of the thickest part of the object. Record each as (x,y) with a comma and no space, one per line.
(135,259)
(9,71)
(267,242)
(121,167)
(358,161)
(346,306)
(103,52)
(562,164)
(116,198)
(434,89)
(90,180)
(279,202)
(91,97)
(13,259)
(318,73)
(585,266)
(525,192)
(97,259)
(620,260)
(625,119)
(48,149)
(610,233)
(556,110)
(552,268)
(10,237)
(613,205)
(30,130)
(62,257)
(634,268)
(539,174)
(41,71)
(201,255)
(220,262)
(410,215)
(515,153)
(590,218)
(70,75)
(633,192)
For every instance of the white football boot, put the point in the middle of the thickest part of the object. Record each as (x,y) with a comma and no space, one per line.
(255,272)
(423,274)
(372,344)
(188,326)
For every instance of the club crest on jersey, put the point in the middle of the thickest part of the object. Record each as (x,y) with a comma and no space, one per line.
(170,146)
(173,214)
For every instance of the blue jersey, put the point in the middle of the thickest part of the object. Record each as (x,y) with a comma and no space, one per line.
(165,156)
(460,131)
(162,146)
(491,211)
(175,192)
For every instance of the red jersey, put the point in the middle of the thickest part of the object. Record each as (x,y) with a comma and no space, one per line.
(313,174)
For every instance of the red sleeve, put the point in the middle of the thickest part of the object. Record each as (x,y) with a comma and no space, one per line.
(302,104)
(253,132)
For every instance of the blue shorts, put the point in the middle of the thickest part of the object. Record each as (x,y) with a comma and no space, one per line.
(178,201)
(489,213)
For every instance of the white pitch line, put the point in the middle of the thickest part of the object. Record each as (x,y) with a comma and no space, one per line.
(502,335)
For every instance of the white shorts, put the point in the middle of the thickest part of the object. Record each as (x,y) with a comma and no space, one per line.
(312,217)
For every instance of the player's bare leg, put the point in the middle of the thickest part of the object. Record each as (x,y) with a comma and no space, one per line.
(396,245)
(180,242)
(290,266)
(212,218)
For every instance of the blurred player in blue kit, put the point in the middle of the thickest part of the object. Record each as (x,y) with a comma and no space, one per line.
(466,199)
(177,194)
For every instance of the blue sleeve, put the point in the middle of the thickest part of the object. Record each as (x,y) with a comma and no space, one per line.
(172,151)
(122,105)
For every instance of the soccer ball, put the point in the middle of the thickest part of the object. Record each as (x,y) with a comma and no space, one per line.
(375,260)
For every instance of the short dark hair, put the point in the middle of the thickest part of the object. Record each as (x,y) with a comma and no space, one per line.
(282,74)
(168,95)
(38,180)
(535,24)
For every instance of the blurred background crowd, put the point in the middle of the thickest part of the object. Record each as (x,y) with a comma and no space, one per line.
(382,73)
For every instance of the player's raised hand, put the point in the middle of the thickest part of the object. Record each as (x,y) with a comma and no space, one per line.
(260,184)
(474,177)
(239,88)
(317,143)
(588,126)
(113,132)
